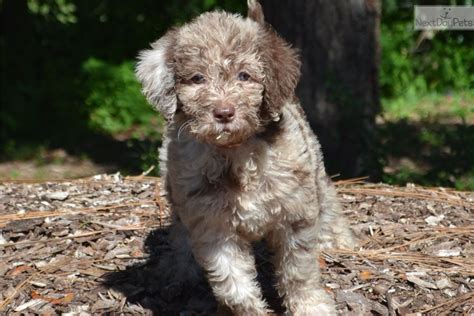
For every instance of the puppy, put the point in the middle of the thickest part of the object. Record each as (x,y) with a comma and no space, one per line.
(239,160)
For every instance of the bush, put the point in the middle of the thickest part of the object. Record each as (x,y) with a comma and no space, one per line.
(408,67)
(114,101)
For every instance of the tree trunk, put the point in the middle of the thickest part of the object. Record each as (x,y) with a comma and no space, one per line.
(338,43)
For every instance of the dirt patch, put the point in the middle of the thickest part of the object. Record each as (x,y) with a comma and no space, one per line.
(95,245)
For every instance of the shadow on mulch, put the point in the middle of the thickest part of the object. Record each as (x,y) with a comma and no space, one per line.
(143,283)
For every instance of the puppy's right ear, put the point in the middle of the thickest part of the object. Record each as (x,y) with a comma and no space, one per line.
(155,71)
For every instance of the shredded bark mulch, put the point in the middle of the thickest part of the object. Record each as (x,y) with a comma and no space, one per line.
(95,246)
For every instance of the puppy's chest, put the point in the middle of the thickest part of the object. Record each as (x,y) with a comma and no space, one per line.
(253,206)
(250,189)
(254,191)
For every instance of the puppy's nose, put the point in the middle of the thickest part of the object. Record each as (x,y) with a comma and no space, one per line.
(224,113)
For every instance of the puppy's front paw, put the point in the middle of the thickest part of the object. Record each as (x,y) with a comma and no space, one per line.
(346,240)
(320,303)
(318,309)
(340,237)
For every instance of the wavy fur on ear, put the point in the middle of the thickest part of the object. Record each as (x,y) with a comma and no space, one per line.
(282,71)
(155,71)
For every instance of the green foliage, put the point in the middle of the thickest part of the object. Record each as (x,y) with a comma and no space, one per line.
(415,63)
(114,101)
(60,10)
(117,107)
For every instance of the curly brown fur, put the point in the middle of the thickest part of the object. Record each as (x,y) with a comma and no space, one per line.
(240,161)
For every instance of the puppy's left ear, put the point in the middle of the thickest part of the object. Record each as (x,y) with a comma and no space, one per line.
(282,71)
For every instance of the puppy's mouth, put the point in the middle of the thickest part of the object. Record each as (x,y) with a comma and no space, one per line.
(223,135)
(227,138)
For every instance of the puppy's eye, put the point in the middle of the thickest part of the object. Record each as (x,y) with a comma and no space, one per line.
(243,76)
(198,78)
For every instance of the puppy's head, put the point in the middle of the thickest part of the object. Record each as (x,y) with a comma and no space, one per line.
(229,75)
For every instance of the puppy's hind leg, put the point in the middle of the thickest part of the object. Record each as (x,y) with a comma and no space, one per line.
(334,231)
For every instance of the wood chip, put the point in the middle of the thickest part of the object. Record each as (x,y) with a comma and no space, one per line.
(420,282)
(29,304)
(60,195)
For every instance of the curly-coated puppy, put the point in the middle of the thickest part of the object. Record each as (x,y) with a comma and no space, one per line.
(240,161)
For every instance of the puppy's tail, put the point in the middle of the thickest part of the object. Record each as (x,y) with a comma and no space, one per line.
(255,11)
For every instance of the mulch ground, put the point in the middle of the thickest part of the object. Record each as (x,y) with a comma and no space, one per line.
(94,246)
